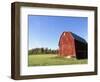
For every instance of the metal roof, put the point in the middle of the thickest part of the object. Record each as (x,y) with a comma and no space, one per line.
(78,38)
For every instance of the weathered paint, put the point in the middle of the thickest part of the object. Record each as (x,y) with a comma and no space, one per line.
(66,45)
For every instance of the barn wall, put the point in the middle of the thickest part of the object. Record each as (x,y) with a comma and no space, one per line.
(81,50)
(66,46)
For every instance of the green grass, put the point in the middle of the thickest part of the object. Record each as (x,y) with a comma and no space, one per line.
(50,59)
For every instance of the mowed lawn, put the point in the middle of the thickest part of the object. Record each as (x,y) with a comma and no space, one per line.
(50,59)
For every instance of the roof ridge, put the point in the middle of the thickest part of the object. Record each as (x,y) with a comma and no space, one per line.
(78,37)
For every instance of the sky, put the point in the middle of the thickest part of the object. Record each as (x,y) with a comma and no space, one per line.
(45,31)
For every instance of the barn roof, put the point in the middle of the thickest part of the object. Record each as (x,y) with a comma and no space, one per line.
(78,38)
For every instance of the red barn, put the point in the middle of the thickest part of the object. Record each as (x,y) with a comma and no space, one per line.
(71,45)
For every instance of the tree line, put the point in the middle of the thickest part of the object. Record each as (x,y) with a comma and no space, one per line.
(42,51)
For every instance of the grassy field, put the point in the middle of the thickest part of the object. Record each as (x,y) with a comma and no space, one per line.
(49,59)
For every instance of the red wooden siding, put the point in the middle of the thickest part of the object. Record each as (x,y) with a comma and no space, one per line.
(66,45)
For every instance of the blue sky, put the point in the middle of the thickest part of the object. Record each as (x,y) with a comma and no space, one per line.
(45,31)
